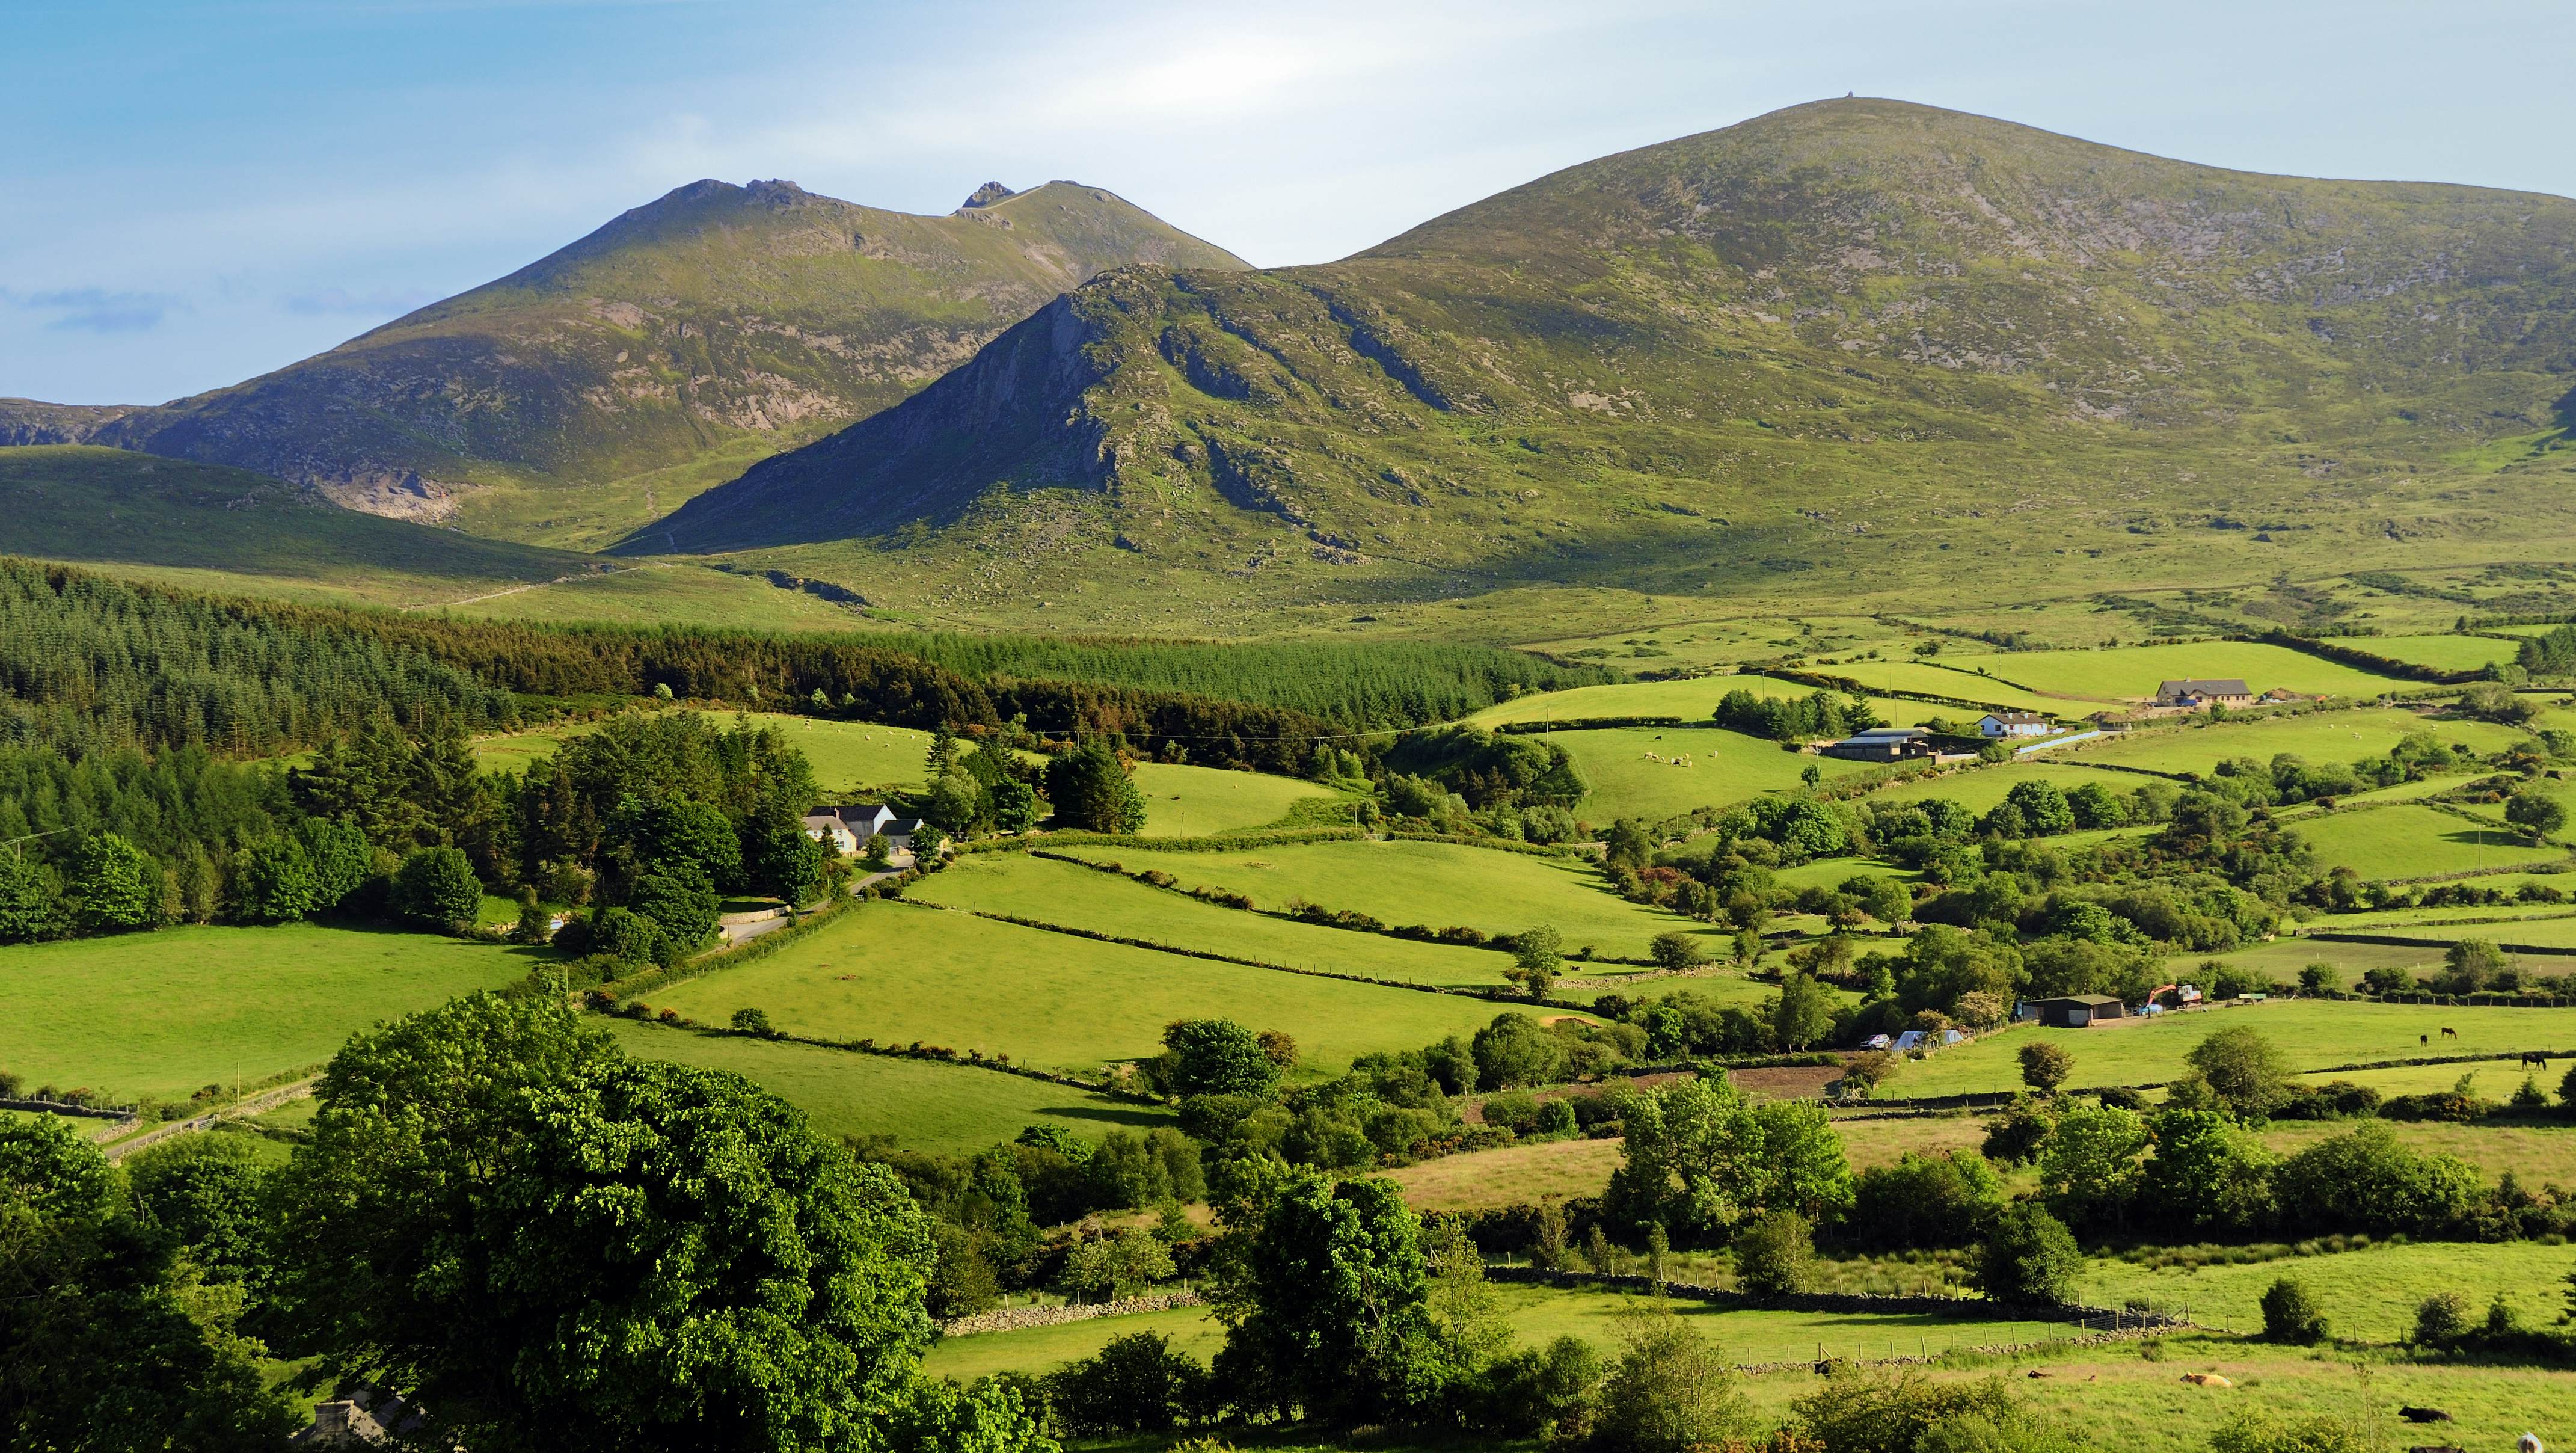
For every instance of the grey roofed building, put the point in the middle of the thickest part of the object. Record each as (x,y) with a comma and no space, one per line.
(2076,1011)
(2014,724)
(2192,690)
(1881,744)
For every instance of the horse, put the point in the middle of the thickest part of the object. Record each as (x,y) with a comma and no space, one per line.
(2449,1033)
(2530,1058)
(2424,1041)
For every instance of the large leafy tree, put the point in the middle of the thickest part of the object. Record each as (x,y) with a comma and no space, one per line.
(273,881)
(1092,791)
(30,902)
(1215,1057)
(437,885)
(103,1344)
(2244,1069)
(556,1247)
(1701,1157)
(114,885)
(1330,1304)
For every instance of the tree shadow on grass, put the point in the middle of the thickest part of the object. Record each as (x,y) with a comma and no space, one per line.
(1134,1116)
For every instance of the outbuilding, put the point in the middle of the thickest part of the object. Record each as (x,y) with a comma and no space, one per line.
(2075,1011)
(1995,725)
(1882,744)
(2194,691)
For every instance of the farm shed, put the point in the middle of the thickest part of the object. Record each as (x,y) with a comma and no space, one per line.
(1882,744)
(2075,1011)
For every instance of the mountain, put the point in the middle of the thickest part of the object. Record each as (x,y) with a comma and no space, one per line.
(590,390)
(140,514)
(1849,348)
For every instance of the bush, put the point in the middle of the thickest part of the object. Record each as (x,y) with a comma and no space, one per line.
(1121,1264)
(1677,951)
(437,885)
(753,1021)
(2291,1314)
(1136,1384)
(1540,1392)
(1926,1200)
(2252,1430)
(2017,1134)
(1670,1391)
(1865,1412)
(2029,1256)
(2442,1319)
(2045,1066)
(1775,1254)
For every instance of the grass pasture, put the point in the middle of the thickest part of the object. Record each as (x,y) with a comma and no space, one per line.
(2130,673)
(1962,682)
(1691,699)
(1201,801)
(899,973)
(1636,771)
(2322,736)
(2368,1295)
(920,1105)
(163,1013)
(2415,841)
(1078,897)
(847,755)
(2313,1033)
(1516,1175)
(1980,788)
(1538,1315)
(2446,653)
(1438,884)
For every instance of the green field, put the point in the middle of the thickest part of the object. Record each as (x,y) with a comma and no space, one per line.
(2322,736)
(1198,801)
(1964,682)
(2130,673)
(897,973)
(846,755)
(2368,1295)
(2448,653)
(2313,1034)
(2411,841)
(1691,700)
(920,1105)
(1979,788)
(1659,772)
(1438,884)
(1538,1315)
(1084,898)
(164,1013)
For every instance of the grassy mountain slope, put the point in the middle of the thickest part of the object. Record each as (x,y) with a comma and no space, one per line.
(587,392)
(139,514)
(1853,349)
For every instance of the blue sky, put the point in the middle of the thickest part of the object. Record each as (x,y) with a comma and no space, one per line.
(194,193)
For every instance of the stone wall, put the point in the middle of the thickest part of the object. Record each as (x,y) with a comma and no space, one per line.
(1015,1319)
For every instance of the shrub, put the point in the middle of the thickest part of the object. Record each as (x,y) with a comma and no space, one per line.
(2017,1134)
(1927,1200)
(2367,1180)
(2045,1066)
(2029,1256)
(1669,1391)
(437,885)
(748,1020)
(1677,951)
(2253,1430)
(1514,1110)
(1775,1254)
(2442,1319)
(1540,1392)
(1117,1265)
(1136,1384)
(2291,1314)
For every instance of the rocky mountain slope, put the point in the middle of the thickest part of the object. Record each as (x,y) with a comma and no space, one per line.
(669,349)
(1840,348)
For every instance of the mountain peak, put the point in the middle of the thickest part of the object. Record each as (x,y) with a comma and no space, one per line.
(986,195)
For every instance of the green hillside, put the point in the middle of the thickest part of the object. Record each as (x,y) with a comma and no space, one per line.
(593,389)
(1855,350)
(115,508)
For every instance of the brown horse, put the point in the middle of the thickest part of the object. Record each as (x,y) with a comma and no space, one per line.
(2449,1033)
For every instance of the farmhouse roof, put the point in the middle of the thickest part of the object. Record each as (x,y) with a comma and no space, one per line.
(1881,734)
(2196,686)
(2089,1001)
(2014,718)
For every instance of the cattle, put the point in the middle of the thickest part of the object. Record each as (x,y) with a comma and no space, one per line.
(2424,1041)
